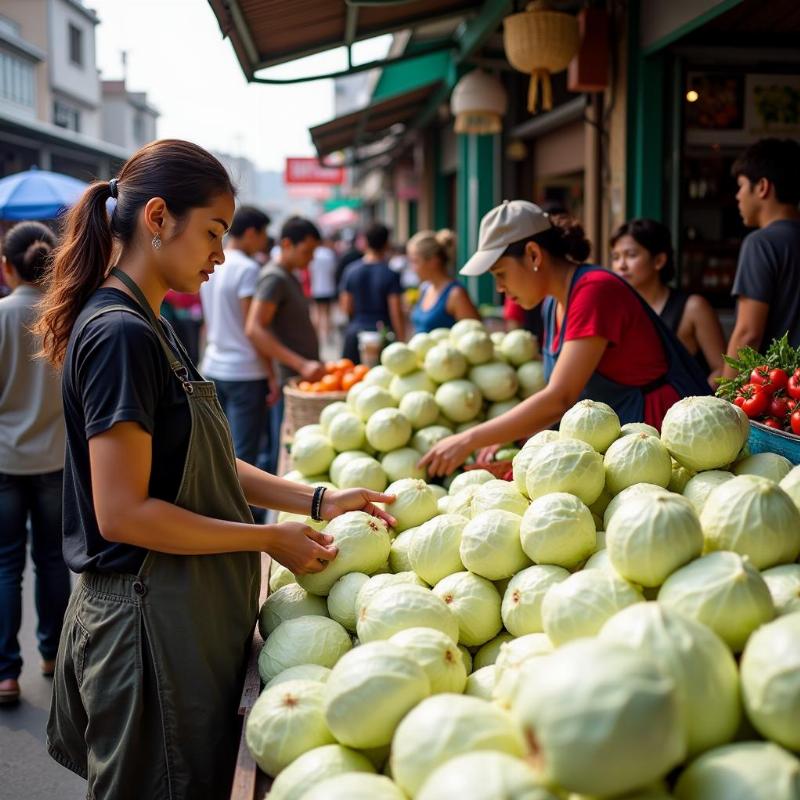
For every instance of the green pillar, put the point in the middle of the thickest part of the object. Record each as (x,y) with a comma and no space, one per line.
(413,217)
(646,155)
(441,193)
(644,180)
(476,193)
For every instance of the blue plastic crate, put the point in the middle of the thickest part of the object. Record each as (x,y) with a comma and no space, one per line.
(769,440)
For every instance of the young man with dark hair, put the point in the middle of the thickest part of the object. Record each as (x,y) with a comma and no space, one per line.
(377,236)
(351,251)
(279,323)
(371,292)
(244,380)
(768,276)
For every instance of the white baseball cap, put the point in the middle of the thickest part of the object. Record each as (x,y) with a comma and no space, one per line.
(511,221)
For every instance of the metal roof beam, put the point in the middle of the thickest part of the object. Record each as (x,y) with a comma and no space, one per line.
(379,64)
(350,30)
(236,20)
(480,28)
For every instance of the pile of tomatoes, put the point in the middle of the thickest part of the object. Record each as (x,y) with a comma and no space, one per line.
(339,376)
(772,397)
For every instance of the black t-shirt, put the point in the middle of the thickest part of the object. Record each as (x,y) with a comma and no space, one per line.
(370,284)
(769,271)
(116,371)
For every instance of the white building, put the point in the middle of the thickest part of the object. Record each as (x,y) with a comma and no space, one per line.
(51,96)
(128,119)
(74,81)
(244,175)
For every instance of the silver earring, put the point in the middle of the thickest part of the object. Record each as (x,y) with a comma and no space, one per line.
(157,242)
(536,269)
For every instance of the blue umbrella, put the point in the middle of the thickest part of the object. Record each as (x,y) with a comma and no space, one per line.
(38,194)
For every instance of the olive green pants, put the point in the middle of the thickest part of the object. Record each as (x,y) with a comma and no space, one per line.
(109,715)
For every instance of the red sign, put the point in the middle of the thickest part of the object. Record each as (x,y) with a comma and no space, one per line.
(309,170)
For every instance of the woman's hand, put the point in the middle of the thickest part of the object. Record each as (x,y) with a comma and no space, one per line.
(447,455)
(300,548)
(340,501)
(486,454)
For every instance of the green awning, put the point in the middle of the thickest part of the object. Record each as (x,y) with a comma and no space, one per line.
(380,124)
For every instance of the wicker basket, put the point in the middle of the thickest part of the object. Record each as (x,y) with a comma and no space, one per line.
(304,408)
(540,41)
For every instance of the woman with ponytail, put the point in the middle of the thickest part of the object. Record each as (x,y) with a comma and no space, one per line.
(156,506)
(602,341)
(31,460)
(443,301)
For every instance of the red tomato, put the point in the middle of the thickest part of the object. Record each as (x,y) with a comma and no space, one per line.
(778,379)
(754,400)
(771,422)
(778,406)
(792,404)
(770,379)
(794,421)
(760,375)
(793,386)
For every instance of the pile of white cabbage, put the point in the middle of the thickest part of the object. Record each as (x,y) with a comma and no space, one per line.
(585,631)
(438,384)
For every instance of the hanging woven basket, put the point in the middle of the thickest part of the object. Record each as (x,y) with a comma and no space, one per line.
(540,41)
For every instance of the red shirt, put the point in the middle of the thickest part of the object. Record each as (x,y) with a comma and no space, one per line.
(603,305)
(513,312)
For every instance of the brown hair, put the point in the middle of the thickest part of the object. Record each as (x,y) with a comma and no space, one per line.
(27,247)
(183,174)
(564,239)
(440,244)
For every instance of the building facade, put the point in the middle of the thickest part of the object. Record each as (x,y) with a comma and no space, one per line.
(51,95)
(128,120)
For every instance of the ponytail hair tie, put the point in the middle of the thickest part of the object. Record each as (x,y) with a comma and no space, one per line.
(112,187)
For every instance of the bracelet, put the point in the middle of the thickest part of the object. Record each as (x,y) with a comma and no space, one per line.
(316,503)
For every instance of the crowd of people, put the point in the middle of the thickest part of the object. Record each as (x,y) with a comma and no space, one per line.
(147,485)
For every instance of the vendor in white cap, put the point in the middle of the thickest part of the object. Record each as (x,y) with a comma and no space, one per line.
(602,341)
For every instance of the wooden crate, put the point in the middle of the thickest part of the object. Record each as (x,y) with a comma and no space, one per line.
(249,783)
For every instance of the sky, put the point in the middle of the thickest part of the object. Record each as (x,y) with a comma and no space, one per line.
(176,53)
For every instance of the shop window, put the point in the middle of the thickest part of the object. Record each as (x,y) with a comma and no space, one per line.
(66,116)
(75,45)
(138,127)
(723,110)
(16,80)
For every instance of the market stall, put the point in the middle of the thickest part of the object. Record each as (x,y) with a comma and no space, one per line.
(449,656)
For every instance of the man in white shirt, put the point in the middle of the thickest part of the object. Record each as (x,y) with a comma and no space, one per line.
(323,287)
(244,380)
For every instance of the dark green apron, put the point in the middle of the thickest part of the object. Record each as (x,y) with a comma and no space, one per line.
(150,666)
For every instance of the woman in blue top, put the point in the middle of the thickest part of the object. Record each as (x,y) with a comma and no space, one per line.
(443,301)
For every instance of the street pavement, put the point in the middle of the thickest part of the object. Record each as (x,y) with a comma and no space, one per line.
(26,771)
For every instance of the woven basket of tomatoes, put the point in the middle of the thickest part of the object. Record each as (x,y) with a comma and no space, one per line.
(767,389)
(304,400)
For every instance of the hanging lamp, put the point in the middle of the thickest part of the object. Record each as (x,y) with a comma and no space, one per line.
(540,41)
(478,103)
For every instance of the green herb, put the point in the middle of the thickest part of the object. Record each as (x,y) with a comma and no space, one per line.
(780,354)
